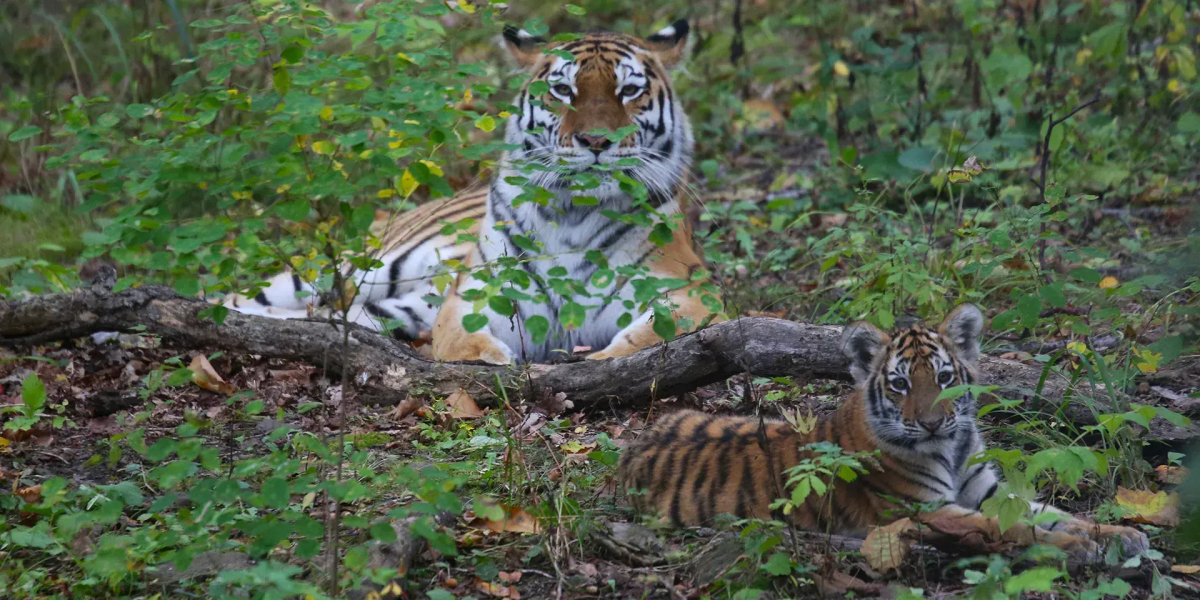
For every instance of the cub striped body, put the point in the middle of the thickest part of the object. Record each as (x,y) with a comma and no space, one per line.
(691,466)
(613,82)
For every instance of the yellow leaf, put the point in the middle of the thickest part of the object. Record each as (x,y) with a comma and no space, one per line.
(1082,56)
(504,114)
(388,193)
(841,69)
(205,376)
(283,188)
(467,96)
(323,147)
(396,144)
(232,91)
(309,275)
(404,57)
(1174,87)
(462,406)
(327,113)
(1109,282)
(1155,508)
(958,176)
(1147,360)
(466,6)
(4,442)
(408,183)
(378,124)
(433,168)
(203,185)
(1185,569)
(486,123)
(883,547)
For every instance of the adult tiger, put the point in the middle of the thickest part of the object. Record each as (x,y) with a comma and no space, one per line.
(694,466)
(608,82)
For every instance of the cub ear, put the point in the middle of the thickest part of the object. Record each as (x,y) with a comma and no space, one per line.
(524,47)
(962,329)
(861,343)
(669,42)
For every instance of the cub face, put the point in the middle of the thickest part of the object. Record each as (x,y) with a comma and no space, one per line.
(901,376)
(611,82)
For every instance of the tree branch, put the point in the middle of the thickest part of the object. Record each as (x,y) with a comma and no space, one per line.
(386,371)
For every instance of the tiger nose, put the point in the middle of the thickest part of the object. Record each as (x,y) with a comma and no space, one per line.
(932,425)
(595,143)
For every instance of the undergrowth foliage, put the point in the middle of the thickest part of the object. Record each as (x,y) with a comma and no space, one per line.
(879,162)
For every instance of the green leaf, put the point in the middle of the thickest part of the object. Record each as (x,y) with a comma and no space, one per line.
(1086,275)
(572,315)
(356,558)
(1040,579)
(917,159)
(293,54)
(275,492)
(501,305)
(363,216)
(578,11)
(282,80)
(21,203)
(1052,294)
(24,133)
(138,111)
(661,235)
(474,322)
(1189,122)
(296,210)
(1029,306)
(383,532)
(33,393)
(664,322)
(187,285)
(778,565)
(538,327)
(486,123)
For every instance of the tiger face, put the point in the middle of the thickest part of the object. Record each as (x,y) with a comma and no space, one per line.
(901,376)
(610,81)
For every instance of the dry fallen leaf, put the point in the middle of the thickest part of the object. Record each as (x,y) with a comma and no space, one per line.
(759,115)
(31,494)
(206,377)
(884,549)
(1185,569)
(406,407)
(462,406)
(1171,474)
(1154,508)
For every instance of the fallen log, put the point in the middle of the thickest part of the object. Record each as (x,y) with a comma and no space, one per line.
(387,371)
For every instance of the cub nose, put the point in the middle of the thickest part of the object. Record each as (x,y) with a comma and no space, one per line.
(932,425)
(595,143)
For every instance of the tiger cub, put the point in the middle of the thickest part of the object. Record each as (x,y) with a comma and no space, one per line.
(576,89)
(692,466)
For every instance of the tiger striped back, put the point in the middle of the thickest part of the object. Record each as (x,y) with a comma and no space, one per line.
(692,466)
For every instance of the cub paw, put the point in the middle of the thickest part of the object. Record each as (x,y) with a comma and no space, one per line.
(1133,541)
(1081,549)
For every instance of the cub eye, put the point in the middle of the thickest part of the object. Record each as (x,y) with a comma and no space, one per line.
(899,385)
(630,91)
(562,89)
(945,378)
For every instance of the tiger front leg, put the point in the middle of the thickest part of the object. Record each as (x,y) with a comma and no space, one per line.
(452,342)
(955,528)
(688,304)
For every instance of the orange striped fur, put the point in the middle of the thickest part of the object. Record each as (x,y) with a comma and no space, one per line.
(692,466)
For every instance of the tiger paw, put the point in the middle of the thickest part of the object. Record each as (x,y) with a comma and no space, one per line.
(1133,541)
(1080,549)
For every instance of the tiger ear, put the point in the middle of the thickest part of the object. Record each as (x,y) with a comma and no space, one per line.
(524,47)
(861,343)
(669,42)
(962,329)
